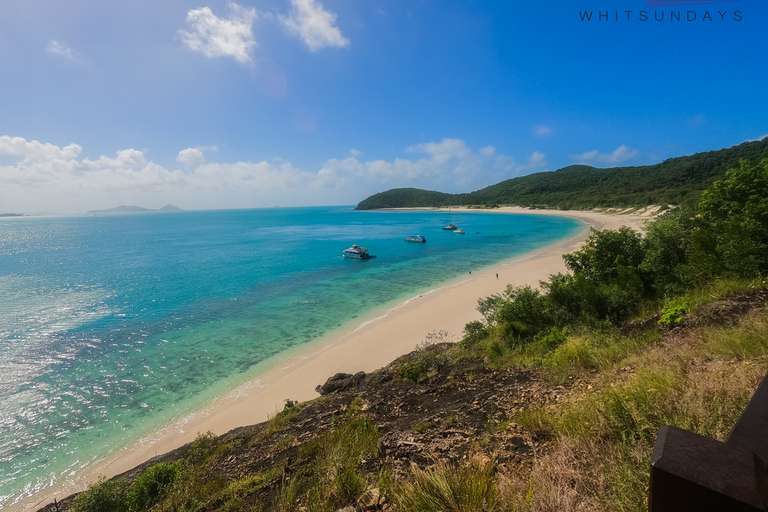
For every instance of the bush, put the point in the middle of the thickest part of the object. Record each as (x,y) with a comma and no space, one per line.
(474,331)
(413,371)
(551,339)
(202,448)
(672,313)
(150,486)
(103,496)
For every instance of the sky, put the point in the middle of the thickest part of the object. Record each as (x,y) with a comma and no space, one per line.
(212,104)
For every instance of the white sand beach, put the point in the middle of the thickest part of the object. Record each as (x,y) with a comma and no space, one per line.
(368,347)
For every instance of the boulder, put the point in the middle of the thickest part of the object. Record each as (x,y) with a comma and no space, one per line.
(340,382)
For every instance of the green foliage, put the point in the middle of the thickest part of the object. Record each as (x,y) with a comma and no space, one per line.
(423,426)
(524,311)
(413,371)
(103,496)
(404,198)
(736,209)
(470,487)
(474,331)
(426,360)
(673,312)
(551,339)
(202,448)
(150,486)
(332,461)
(608,256)
(488,307)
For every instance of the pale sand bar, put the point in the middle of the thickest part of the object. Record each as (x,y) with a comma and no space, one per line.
(367,348)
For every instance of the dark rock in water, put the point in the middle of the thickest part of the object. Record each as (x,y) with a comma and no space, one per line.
(340,382)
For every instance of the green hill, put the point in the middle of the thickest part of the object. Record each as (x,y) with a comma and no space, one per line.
(583,186)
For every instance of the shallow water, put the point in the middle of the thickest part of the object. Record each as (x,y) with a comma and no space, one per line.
(112,326)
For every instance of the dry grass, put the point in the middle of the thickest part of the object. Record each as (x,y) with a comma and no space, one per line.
(603,437)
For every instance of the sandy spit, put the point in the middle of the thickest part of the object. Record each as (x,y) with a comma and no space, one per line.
(374,344)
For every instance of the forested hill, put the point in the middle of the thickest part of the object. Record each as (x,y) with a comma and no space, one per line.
(584,187)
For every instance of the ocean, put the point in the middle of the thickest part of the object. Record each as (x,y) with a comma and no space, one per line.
(112,326)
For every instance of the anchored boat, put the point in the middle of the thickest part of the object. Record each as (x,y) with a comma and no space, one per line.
(357,252)
(415,238)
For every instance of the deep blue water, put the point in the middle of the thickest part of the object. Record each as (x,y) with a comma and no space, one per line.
(114,325)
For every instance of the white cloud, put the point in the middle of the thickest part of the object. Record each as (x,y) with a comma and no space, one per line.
(450,164)
(314,25)
(46,177)
(542,130)
(191,157)
(443,151)
(621,154)
(221,37)
(63,50)
(33,151)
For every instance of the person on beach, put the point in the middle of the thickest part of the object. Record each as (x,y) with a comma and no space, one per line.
(497,276)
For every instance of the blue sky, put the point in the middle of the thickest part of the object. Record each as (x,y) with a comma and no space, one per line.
(220,104)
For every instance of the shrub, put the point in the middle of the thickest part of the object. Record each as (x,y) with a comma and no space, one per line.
(673,313)
(150,486)
(103,496)
(474,331)
(202,448)
(551,339)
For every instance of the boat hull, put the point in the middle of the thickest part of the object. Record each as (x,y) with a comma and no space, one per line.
(358,256)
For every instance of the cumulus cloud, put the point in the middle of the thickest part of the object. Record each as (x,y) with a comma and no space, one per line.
(34,151)
(221,37)
(449,163)
(621,154)
(314,25)
(191,157)
(46,177)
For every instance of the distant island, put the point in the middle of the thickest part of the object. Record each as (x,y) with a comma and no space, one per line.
(11,214)
(136,209)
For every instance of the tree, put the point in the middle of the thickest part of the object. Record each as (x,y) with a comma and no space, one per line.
(607,255)
(736,208)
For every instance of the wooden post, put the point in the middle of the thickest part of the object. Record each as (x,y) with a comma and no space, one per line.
(691,473)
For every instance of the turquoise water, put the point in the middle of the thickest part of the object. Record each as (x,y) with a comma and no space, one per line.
(112,326)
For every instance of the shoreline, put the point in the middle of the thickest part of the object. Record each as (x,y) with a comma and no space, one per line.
(377,341)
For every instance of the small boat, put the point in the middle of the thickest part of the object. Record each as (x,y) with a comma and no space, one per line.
(459,231)
(450,227)
(357,252)
(415,238)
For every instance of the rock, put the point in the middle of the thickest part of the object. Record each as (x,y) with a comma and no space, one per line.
(347,509)
(340,382)
(369,500)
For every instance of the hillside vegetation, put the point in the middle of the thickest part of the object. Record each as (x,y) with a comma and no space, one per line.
(551,402)
(584,187)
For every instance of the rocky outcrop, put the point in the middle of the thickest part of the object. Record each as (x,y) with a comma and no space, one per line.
(341,382)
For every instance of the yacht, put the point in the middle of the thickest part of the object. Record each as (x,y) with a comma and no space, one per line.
(415,238)
(357,252)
